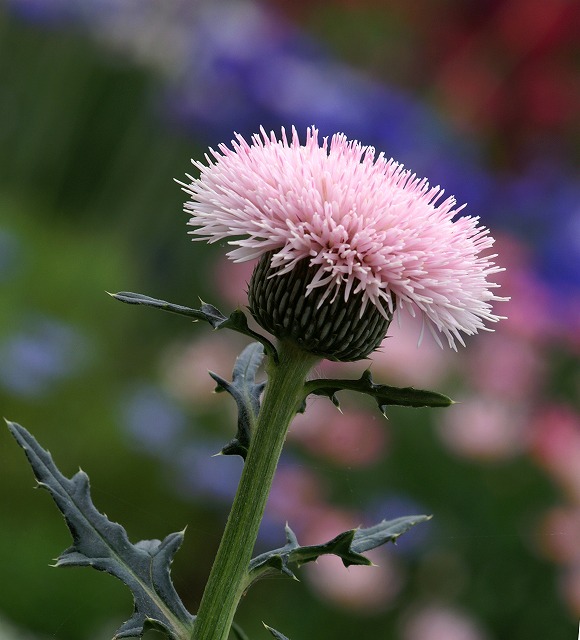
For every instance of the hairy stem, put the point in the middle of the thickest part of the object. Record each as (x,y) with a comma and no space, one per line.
(227,580)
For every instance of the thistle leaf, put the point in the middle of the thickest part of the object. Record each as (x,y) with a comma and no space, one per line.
(276,634)
(99,543)
(246,392)
(349,546)
(237,321)
(384,531)
(383,394)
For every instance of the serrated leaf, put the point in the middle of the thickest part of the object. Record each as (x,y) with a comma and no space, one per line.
(246,392)
(276,634)
(97,542)
(236,321)
(383,532)
(349,546)
(383,394)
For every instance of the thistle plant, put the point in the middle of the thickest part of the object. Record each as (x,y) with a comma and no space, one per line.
(343,241)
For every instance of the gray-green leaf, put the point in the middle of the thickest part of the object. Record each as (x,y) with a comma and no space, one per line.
(276,634)
(237,320)
(383,394)
(97,542)
(246,392)
(349,546)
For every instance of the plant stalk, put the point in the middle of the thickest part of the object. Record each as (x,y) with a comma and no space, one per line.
(226,583)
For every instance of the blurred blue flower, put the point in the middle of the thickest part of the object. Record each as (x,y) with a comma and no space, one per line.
(202,475)
(559,257)
(158,426)
(45,12)
(41,354)
(272,533)
(153,420)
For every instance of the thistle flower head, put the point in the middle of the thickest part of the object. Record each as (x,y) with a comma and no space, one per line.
(363,225)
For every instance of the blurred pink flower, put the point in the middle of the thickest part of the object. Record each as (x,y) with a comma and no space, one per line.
(569,583)
(366,224)
(353,438)
(531,314)
(531,307)
(232,281)
(573,331)
(400,360)
(298,496)
(441,623)
(330,522)
(559,535)
(555,445)
(505,368)
(185,366)
(358,588)
(484,428)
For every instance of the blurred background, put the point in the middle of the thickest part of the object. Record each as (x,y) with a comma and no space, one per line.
(102,104)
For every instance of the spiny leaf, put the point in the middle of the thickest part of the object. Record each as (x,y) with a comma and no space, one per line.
(246,392)
(276,634)
(384,531)
(97,542)
(349,546)
(237,321)
(383,394)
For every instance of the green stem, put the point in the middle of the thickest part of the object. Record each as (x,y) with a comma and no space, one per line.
(227,579)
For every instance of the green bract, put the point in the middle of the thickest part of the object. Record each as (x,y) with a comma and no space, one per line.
(328,326)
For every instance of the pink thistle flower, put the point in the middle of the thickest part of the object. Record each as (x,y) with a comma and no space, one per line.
(365,225)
